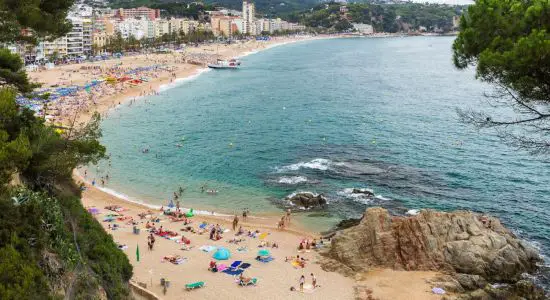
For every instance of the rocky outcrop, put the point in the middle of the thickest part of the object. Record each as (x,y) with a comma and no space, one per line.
(366,192)
(458,242)
(307,200)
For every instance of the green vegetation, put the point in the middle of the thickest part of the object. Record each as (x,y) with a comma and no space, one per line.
(50,246)
(268,7)
(384,18)
(509,43)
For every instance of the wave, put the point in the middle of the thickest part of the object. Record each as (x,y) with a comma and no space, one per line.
(129,199)
(179,81)
(413,212)
(292,180)
(320,164)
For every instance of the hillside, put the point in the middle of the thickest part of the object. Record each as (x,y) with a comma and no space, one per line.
(267,7)
(384,18)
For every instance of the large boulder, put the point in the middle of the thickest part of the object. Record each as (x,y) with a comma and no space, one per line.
(307,200)
(459,242)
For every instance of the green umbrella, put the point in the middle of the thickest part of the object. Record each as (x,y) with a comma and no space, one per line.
(263,252)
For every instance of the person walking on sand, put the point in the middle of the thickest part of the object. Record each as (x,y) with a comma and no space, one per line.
(235,222)
(244,215)
(302,281)
(313,280)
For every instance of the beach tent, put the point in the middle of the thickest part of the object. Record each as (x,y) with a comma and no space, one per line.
(263,252)
(190,213)
(222,254)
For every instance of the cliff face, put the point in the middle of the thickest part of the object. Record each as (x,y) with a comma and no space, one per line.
(460,242)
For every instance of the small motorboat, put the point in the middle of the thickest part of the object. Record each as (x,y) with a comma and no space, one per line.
(224,64)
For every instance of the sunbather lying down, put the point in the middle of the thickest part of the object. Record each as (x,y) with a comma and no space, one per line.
(175,259)
(244,280)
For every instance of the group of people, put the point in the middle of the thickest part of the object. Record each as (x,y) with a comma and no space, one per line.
(285,220)
(216,232)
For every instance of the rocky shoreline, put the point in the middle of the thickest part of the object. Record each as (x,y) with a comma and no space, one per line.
(479,257)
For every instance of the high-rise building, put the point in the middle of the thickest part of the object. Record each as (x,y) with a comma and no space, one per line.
(249,12)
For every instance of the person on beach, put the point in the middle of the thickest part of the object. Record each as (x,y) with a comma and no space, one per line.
(235,222)
(288,216)
(244,215)
(313,280)
(177,205)
(302,281)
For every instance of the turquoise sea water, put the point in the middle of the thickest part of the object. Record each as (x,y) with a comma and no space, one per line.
(325,116)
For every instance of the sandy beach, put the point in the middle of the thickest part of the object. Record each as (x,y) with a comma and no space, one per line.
(275,278)
(156,70)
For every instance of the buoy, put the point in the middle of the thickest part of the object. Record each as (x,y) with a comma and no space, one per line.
(230,144)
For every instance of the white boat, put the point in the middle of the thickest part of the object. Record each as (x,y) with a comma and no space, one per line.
(224,64)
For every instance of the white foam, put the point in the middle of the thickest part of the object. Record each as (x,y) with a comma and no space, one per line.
(380,197)
(413,212)
(321,164)
(357,197)
(292,180)
(129,199)
(180,81)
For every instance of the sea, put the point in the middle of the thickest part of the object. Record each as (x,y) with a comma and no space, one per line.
(327,116)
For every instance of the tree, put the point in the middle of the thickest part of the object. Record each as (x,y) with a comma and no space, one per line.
(25,21)
(12,72)
(509,43)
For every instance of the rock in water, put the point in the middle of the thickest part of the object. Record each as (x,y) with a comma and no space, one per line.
(460,242)
(307,200)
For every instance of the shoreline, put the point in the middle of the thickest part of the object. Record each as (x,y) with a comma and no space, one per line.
(274,278)
(164,84)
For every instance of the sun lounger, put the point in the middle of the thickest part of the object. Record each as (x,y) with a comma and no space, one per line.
(253,281)
(194,285)
(244,266)
(233,272)
(235,264)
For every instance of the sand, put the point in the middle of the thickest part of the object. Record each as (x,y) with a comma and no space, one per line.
(274,278)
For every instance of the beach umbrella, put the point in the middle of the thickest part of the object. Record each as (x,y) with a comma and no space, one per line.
(222,254)
(263,252)
(137,253)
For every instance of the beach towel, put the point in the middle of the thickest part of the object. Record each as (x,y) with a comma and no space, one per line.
(222,268)
(262,236)
(233,272)
(203,225)
(244,266)
(265,259)
(242,250)
(194,285)
(207,248)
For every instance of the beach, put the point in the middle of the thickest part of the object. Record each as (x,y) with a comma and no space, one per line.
(277,279)
(274,279)
(102,85)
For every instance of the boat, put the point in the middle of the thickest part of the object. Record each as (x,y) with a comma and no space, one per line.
(224,64)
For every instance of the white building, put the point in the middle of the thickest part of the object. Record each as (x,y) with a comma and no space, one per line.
(138,28)
(249,12)
(363,28)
